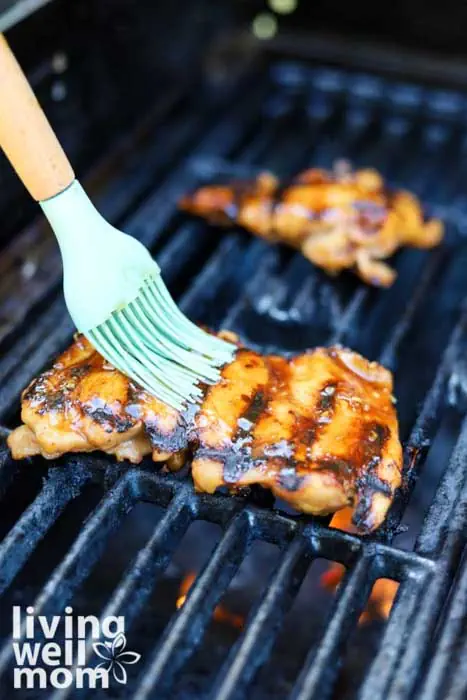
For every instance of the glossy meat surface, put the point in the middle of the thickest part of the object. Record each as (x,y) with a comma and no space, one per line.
(320,430)
(83,404)
(338,219)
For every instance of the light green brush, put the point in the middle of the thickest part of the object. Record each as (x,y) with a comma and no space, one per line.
(113,288)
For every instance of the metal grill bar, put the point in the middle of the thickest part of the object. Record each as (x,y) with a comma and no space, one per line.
(423,430)
(445,677)
(131,594)
(41,352)
(319,672)
(10,361)
(85,551)
(389,352)
(407,606)
(136,586)
(397,666)
(446,512)
(441,540)
(255,644)
(7,468)
(185,631)
(353,311)
(60,489)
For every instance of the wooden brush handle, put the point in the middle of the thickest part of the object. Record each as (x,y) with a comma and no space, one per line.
(25,134)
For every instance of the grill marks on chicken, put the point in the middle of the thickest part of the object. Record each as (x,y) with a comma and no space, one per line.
(338,219)
(83,404)
(319,430)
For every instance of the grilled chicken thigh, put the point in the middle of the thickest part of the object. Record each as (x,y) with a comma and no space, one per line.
(83,404)
(338,219)
(319,430)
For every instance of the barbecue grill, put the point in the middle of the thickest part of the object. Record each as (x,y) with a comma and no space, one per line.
(102,537)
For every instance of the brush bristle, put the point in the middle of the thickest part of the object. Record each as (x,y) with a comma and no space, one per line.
(151,341)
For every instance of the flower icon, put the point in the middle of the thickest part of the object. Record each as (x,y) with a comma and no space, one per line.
(115,657)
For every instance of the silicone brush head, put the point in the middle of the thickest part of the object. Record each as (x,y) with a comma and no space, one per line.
(118,300)
(152,342)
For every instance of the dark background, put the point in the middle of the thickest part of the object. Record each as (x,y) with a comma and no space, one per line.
(418,24)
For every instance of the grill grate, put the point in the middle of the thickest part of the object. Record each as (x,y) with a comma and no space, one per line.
(291,117)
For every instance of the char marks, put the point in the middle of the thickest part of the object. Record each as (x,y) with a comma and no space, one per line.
(374,436)
(108,418)
(338,219)
(318,430)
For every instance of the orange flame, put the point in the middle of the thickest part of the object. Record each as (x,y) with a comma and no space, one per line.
(381,597)
(378,606)
(342,520)
(381,600)
(220,614)
(185,586)
(384,590)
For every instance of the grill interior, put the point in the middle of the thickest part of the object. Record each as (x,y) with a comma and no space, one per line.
(60,524)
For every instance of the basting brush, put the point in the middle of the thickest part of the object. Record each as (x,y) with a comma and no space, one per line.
(113,288)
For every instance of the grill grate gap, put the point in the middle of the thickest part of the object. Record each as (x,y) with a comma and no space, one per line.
(363,643)
(27,584)
(426,486)
(312,603)
(229,619)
